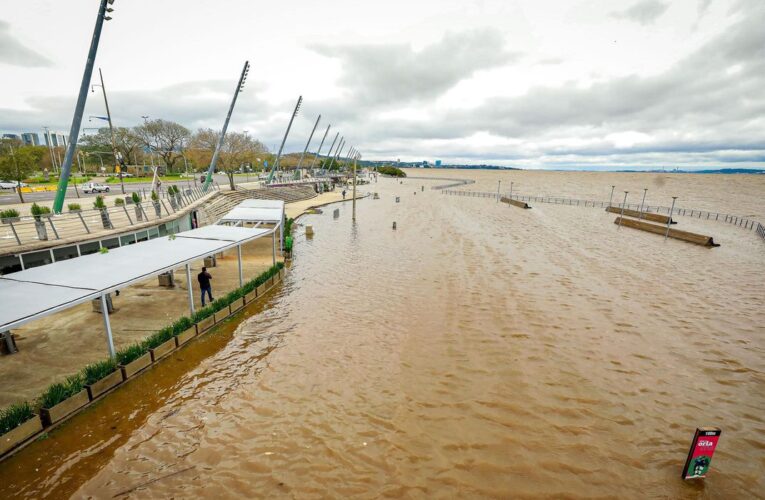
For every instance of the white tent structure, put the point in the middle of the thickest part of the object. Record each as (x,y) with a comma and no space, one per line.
(34,293)
(255,213)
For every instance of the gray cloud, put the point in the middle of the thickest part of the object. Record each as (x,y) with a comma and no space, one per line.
(385,74)
(643,12)
(15,53)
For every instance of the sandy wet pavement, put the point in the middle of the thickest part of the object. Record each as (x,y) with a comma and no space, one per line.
(478,350)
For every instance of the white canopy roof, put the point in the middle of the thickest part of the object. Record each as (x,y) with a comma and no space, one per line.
(252,203)
(33,293)
(254,211)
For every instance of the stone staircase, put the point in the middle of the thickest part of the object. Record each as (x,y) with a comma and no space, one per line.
(222,204)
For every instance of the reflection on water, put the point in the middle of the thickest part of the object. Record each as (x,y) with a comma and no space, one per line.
(478,350)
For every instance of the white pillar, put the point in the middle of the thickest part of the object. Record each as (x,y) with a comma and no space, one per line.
(273,238)
(281,231)
(107,326)
(239,256)
(191,291)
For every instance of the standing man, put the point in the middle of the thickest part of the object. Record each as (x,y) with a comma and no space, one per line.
(204,284)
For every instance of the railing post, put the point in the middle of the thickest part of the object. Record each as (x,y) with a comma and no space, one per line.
(15,234)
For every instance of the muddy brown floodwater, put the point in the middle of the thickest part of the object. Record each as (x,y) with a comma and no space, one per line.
(476,351)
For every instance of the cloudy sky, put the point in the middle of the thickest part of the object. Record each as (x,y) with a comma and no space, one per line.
(533,84)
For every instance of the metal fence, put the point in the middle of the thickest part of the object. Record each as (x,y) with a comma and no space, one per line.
(452,182)
(735,220)
(51,227)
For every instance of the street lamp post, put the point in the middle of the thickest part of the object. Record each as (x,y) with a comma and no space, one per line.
(74,132)
(111,128)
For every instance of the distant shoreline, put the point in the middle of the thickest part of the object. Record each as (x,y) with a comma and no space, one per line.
(750,171)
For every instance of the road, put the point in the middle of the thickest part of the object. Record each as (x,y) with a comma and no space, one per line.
(10,197)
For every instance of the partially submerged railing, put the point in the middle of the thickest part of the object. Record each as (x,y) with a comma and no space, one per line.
(735,220)
(451,183)
(49,227)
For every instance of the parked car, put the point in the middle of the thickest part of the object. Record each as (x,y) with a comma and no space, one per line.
(94,187)
(11,184)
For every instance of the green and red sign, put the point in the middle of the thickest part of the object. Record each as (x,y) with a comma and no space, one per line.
(700,455)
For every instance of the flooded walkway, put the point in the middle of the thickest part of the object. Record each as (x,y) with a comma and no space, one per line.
(476,351)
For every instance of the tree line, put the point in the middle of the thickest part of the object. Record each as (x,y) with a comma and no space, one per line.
(166,144)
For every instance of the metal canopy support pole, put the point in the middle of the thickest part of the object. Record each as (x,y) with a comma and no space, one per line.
(107,326)
(239,257)
(281,232)
(318,151)
(300,161)
(275,167)
(239,88)
(74,131)
(273,238)
(190,287)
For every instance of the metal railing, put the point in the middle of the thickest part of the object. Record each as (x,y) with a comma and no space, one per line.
(761,230)
(29,229)
(452,183)
(735,220)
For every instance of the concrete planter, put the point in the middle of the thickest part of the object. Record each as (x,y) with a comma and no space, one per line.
(211,261)
(50,416)
(16,436)
(250,296)
(236,305)
(112,380)
(282,273)
(261,289)
(222,314)
(105,220)
(9,220)
(136,366)
(167,279)
(157,209)
(42,231)
(184,337)
(138,213)
(162,349)
(205,324)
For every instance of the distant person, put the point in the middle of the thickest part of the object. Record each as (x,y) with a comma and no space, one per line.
(343,193)
(204,284)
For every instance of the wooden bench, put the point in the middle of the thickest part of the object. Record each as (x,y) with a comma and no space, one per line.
(698,239)
(663,219)
(510,201)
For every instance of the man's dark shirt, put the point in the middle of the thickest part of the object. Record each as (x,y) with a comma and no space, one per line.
(204,279)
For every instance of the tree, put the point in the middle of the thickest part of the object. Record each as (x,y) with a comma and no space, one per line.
(166,138)
(18,163)
(238,148)
(125,140)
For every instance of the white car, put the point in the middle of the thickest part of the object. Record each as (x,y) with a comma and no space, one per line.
(94,187)
(11,184)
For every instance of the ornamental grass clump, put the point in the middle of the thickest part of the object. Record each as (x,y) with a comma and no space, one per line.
(94,372)
(61,391)
(130,353)
(15,415)
(158,338)
(10,213)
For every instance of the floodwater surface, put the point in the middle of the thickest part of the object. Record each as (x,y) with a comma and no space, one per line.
(478,350)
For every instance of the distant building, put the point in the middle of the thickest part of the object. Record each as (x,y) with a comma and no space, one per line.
(12,136)
(438,163)
(56,140)
(30,138)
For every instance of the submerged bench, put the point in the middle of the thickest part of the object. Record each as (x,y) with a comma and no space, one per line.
(698,239)
(510,201)
(646,216)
